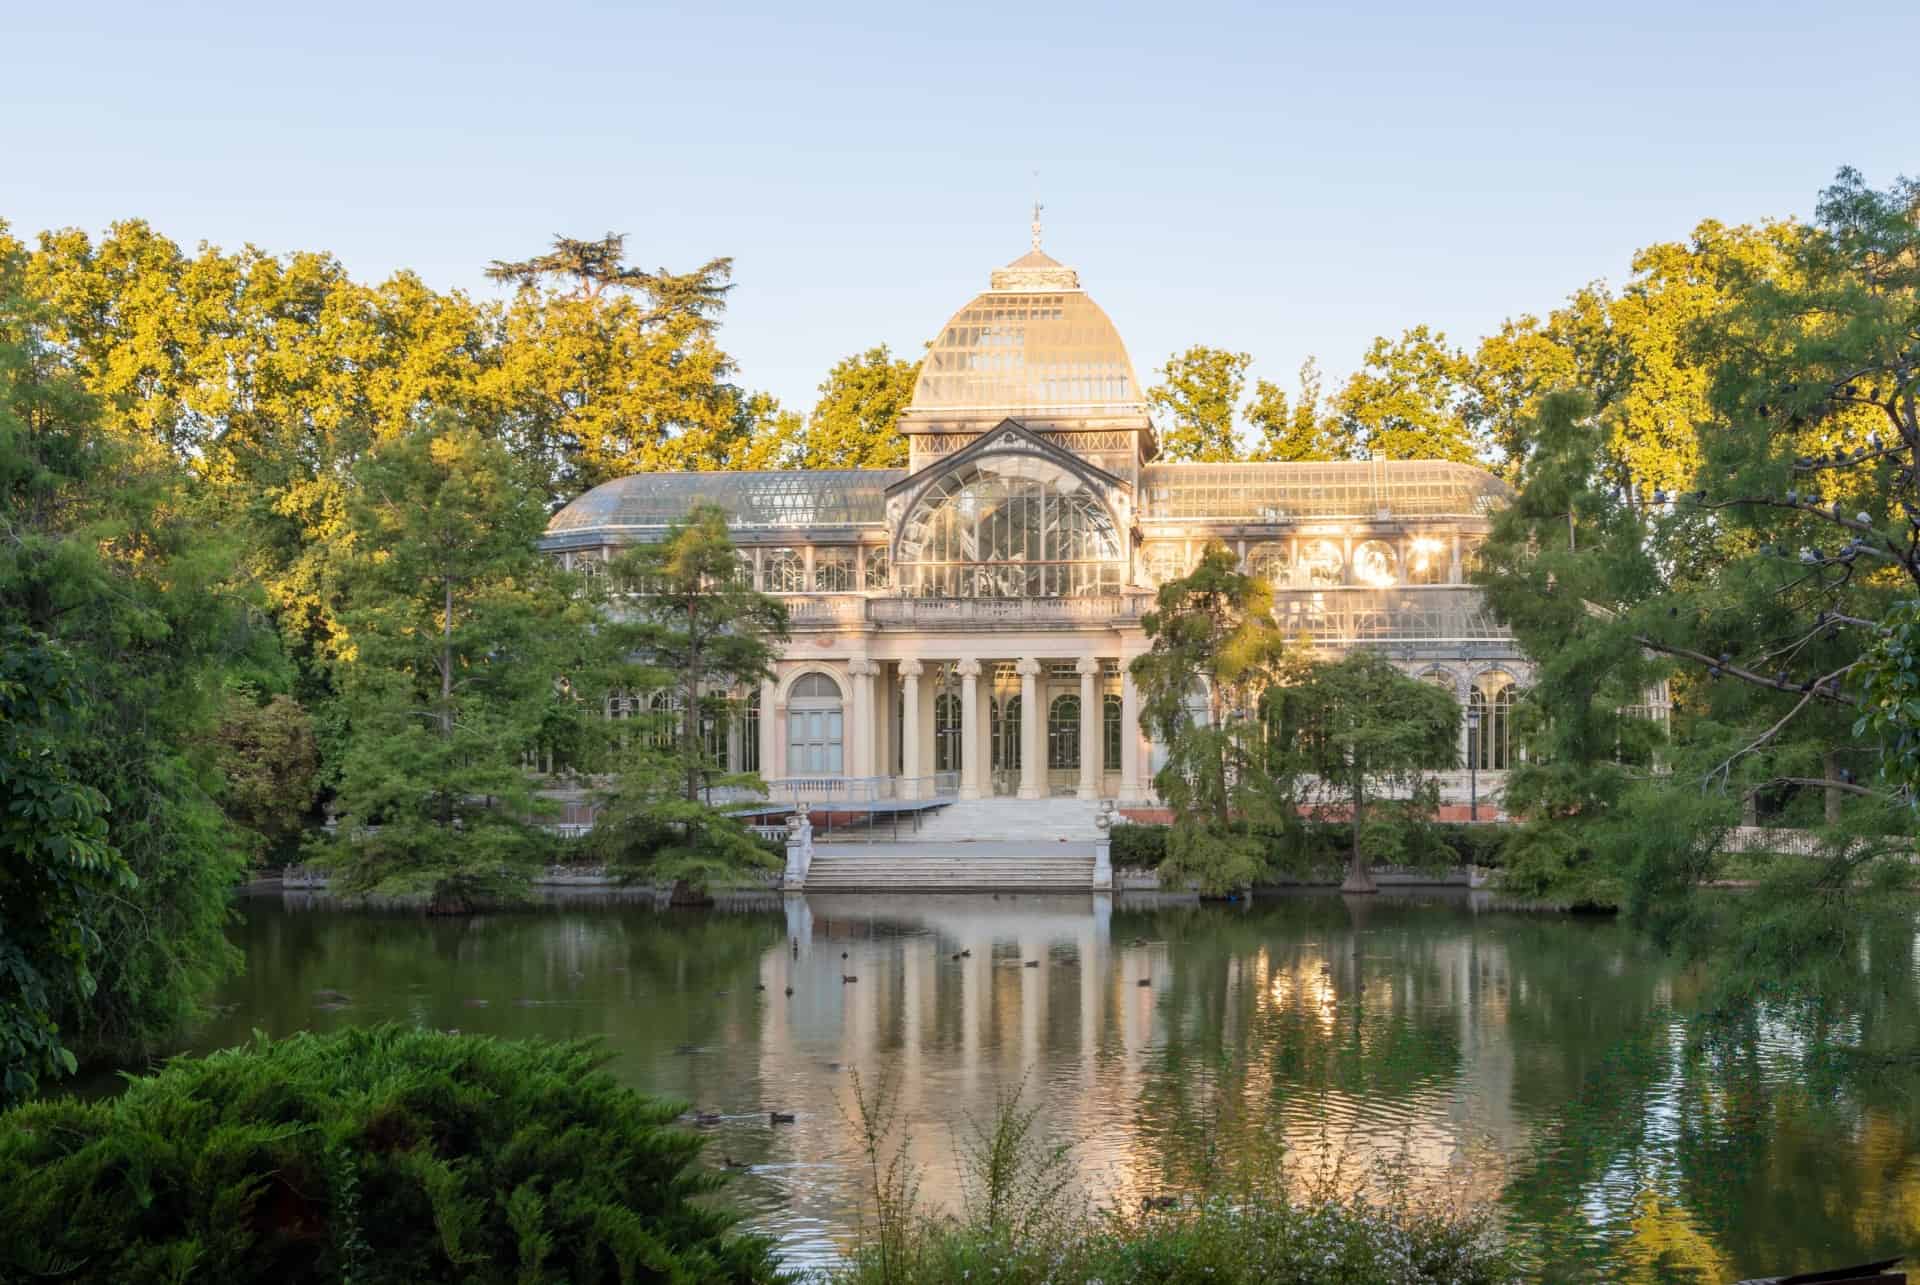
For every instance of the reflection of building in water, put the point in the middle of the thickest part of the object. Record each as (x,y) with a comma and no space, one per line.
(1341,1054)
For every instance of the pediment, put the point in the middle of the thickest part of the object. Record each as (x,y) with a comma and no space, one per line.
(1010,437)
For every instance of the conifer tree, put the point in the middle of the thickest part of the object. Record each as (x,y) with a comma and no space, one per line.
(1216,651)
(453,619)
(690,634)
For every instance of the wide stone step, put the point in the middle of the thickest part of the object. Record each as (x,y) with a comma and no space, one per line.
(998,874)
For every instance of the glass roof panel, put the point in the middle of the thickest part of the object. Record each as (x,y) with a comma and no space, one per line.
(1346,488)
(1011,350)
(1453,614)
(797,498)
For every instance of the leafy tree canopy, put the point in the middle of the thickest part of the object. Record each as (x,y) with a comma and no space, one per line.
(853,425)
(1363,728)
(1216,650)
(697,638)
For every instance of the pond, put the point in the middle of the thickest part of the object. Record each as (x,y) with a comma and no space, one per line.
(1535,1062)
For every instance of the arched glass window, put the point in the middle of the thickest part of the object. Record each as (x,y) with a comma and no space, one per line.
(783,571)
(750,733)
(1429,561)
(815,733)
(1491,746)
(1271,562)
(946,732)
(1110,732)
(1164,562)
(877,576)
(665,708)
(1324,561)
(1376,564)
(1009,527)
(1006,735)
(833,570)
(1063,732)
(715,728)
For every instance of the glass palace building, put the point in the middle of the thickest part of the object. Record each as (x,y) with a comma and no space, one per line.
(963,626)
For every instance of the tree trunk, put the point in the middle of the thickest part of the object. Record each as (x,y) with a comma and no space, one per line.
(1359,877)
(1830,768)
(446,665)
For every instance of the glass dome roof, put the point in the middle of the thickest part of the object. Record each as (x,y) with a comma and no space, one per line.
(1035,340)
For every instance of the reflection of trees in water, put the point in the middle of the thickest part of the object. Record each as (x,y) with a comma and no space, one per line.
(1281,1030)
(1775,1132)
(540,971)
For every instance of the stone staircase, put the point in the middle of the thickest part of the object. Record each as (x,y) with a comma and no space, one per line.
(1037,821)
(900,867)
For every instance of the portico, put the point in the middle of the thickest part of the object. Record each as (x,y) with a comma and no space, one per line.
(1046,723)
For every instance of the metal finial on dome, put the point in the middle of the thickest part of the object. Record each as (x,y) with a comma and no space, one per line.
(1037,207)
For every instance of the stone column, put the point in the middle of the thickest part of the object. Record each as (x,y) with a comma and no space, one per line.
(770,739)
(1130,788)
(969,728)
(1033,731)
(858,730)
(910,769)
(1091,715)
(780,738)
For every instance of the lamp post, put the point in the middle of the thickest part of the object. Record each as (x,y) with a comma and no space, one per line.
(1473,765)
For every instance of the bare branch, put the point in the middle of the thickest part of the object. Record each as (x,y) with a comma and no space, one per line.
(1819,688)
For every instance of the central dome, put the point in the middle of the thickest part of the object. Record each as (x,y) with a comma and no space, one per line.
(1033,341)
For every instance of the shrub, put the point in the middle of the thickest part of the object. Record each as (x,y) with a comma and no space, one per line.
(1315,848)
(1138,847)
(374,1155)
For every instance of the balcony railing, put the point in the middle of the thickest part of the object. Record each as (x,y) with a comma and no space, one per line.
(1000,613)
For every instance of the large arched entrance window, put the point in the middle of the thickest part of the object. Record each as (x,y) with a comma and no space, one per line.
(1491,745)
(1063,733)
(1012,526)
(1110,732)
(814,728)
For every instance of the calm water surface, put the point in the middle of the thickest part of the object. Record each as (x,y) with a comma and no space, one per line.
(1535,1062)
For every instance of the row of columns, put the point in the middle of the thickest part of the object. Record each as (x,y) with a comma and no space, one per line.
(861,734)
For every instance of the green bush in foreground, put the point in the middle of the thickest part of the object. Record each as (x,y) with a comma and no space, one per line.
(383,1155)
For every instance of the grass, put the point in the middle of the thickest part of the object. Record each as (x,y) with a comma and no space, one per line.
(1024,1220)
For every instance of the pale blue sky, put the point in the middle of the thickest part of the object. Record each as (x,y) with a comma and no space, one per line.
(1281,180)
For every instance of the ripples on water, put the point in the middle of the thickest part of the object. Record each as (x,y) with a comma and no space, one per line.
(1533,1061)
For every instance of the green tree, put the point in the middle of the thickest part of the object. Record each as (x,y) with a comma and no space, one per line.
(271,761)
(1764,586)
(1298,430)
(454,618)
(695,633)
(1216,650)
(1406,402)
(854,424)
(1564,566)
(1199,399)
(1630,351)
(114,629)
(1362,727)
(605,369)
